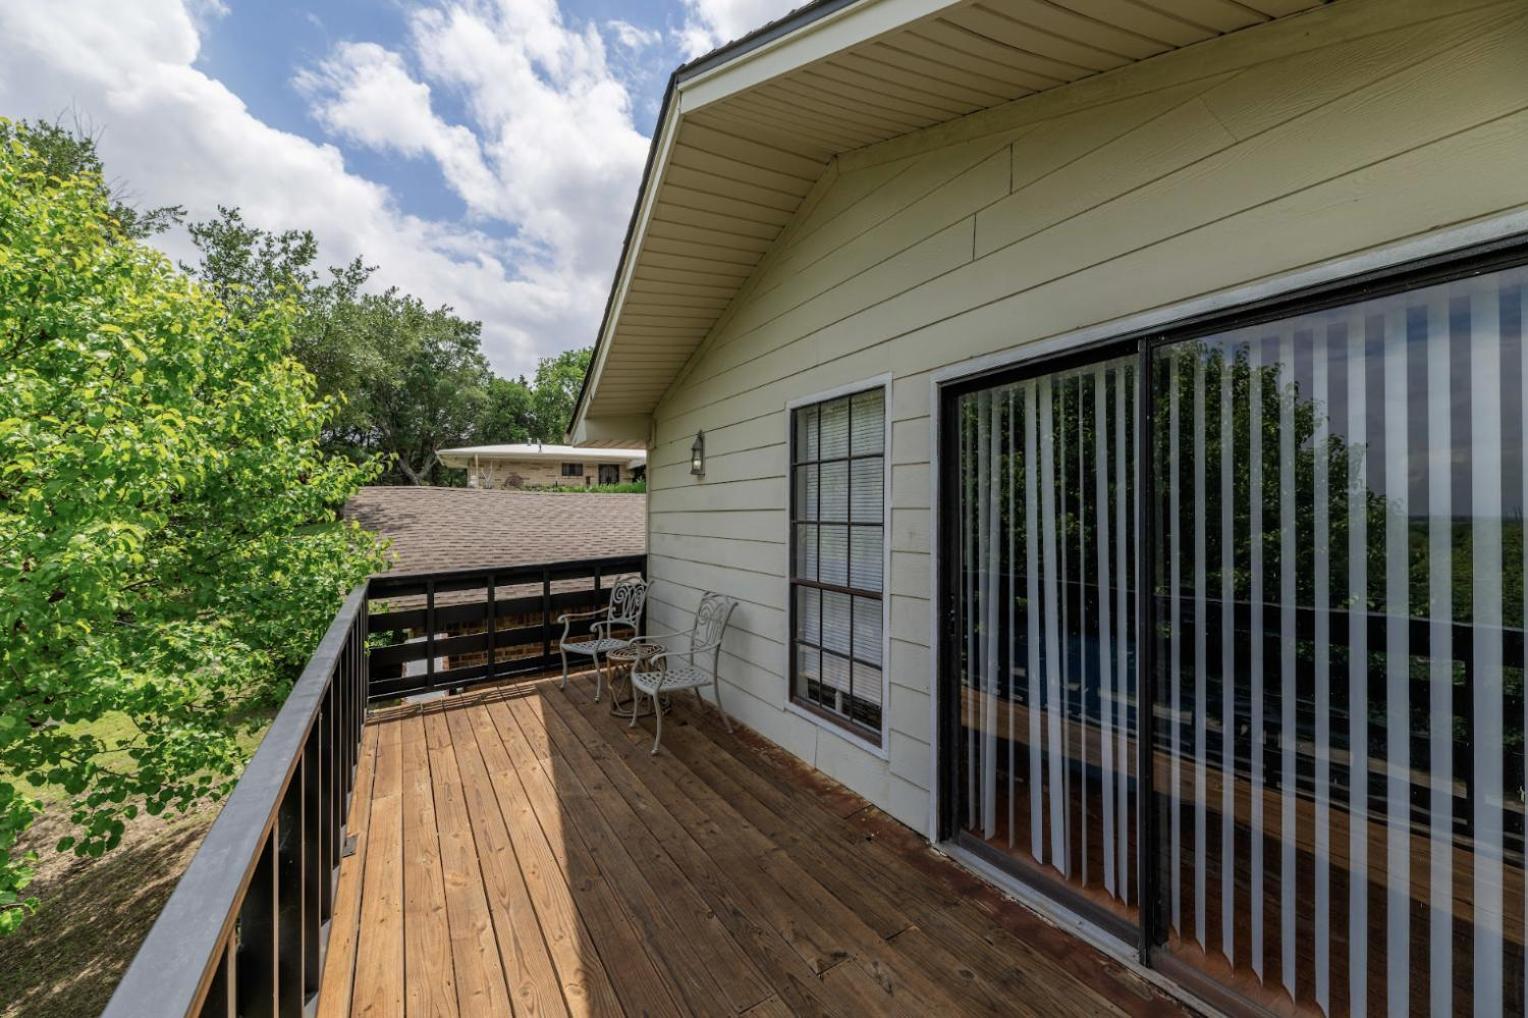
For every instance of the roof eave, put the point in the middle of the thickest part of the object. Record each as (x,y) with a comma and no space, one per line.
(668,116)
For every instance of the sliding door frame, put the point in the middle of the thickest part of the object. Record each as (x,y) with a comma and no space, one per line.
(1485,248)
(948,690)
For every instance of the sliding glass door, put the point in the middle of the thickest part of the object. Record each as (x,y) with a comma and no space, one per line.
(1338,620)
(1327,510)
(1046,609)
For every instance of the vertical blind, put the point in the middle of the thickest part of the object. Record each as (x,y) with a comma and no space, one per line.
(837,524)
(1046,611)
(1338,609)
(1335,608)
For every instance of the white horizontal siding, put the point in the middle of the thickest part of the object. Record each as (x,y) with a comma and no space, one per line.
(1250,156)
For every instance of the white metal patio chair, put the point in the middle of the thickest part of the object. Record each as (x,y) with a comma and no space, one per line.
(623,612)
(674,669)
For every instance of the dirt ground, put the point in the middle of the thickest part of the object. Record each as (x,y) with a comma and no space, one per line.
(65,961)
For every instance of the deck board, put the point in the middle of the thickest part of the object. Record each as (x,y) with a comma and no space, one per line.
(639,984)
(338,980)
(429,971)
(521,853)
(527,965)
(695,946)
(585,984)
(379,950)
(482,980)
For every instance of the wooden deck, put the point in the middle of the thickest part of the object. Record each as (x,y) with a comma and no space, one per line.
(520,852)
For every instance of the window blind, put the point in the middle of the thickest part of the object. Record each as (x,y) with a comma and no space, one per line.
(838,471)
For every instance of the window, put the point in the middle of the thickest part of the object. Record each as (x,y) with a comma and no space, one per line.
(838,548)
(610,473)
(572,470)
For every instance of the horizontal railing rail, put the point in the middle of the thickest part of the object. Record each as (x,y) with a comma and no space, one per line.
(451,630)
(244,931)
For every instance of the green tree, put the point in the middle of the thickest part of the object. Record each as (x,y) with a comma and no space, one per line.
(407,379)
(56,151)
(249,267)
(169,545)
(508,413)
(558,380)
(429,393)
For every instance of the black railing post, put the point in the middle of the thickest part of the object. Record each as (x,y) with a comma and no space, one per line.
(256,960)
(221,995)
(328,799)
(313,882)
(493,627)
(290,948)
(429,630)
(546,616)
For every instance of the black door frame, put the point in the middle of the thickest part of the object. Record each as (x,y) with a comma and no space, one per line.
(1468,260)
(948,675)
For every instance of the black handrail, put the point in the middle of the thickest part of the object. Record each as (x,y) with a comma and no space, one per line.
(243,932)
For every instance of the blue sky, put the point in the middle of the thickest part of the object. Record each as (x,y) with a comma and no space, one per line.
(483,153)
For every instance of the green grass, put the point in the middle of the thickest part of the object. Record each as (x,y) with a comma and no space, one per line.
(113,730)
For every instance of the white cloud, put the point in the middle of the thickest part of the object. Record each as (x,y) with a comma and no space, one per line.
(555,122)
(363,93)
(710,23)
(633,37)
(547,153)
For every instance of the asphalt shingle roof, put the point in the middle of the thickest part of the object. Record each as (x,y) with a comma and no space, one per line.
(437,529)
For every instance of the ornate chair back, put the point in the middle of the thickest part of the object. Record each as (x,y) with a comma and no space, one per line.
(627,599)
(710,626)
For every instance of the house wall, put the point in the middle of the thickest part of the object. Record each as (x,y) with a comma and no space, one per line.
(538,474)
(1338,131)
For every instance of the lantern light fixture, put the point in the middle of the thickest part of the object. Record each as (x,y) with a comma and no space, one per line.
(698,455)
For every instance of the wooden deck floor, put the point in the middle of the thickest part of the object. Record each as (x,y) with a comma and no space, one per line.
(520,852)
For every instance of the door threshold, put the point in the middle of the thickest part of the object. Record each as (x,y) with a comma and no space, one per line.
(1063,918)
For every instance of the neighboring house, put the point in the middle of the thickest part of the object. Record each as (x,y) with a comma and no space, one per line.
(545,466)
(950,327)
(435,530)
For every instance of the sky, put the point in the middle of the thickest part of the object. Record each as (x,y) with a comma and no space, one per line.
(483,154)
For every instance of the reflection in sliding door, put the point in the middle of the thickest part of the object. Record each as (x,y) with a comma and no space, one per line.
(1046,613)
(1338,609)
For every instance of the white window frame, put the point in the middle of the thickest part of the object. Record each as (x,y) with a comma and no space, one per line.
(842,731)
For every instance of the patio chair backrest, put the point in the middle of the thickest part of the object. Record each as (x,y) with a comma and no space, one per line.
(711,624)
(626,600)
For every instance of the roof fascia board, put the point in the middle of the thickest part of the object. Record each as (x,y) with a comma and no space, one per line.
(640,219)
(821,37)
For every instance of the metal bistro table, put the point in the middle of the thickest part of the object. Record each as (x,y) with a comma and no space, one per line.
(622,663)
